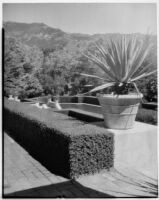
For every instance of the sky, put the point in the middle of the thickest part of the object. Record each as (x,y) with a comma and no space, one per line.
(88,18)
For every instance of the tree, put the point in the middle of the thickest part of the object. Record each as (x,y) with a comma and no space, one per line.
(20,67)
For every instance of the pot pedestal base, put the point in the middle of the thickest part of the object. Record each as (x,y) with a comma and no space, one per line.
(136,147)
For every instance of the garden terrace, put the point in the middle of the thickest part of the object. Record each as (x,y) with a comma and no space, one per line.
(87,108)
(68,147)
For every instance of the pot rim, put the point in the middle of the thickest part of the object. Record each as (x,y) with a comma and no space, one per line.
(125,96)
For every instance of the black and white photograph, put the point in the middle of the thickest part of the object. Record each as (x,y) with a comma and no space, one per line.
(79,99)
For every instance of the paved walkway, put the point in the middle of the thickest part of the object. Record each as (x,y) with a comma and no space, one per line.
(26,177)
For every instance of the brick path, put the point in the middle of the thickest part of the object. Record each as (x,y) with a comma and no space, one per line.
(26,177)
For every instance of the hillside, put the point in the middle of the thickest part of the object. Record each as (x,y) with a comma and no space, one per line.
(39,58)
(41,35)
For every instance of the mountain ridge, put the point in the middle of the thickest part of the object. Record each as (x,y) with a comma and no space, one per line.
(44,36)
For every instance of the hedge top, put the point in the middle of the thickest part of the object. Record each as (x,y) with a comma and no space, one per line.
(69,126)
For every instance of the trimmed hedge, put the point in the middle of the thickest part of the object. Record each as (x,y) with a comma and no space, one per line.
(82,115)
(66,99)
(150,106)
(66,146)
(147,116)
(43,99)
(91,100)
(75,99)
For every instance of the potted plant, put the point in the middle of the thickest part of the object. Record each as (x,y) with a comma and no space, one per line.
(123,62)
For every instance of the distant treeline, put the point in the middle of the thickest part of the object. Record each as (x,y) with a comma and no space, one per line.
(30,71)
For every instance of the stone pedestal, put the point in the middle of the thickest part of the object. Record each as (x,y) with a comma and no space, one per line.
(135,147)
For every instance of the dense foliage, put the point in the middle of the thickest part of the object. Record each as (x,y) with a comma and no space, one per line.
(21,65)
(148,87)
(148,116)
(71,148)
(42,60)
(29,71)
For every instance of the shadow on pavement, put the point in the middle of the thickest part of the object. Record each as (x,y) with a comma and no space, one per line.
(68,189)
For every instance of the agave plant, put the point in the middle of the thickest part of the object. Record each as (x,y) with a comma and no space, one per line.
(123,62)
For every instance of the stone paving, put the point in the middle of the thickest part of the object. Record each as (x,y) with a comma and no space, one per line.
(26,177)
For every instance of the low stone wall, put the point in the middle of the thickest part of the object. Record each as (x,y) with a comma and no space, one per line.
(136,148)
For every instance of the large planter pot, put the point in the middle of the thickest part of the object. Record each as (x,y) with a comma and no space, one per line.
(119,110)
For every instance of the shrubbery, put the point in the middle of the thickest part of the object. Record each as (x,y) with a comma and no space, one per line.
(68,99)
(91,100)
(83,115)
(61,99)
(148,86)
(147,116)
(152,90)
(65,146)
